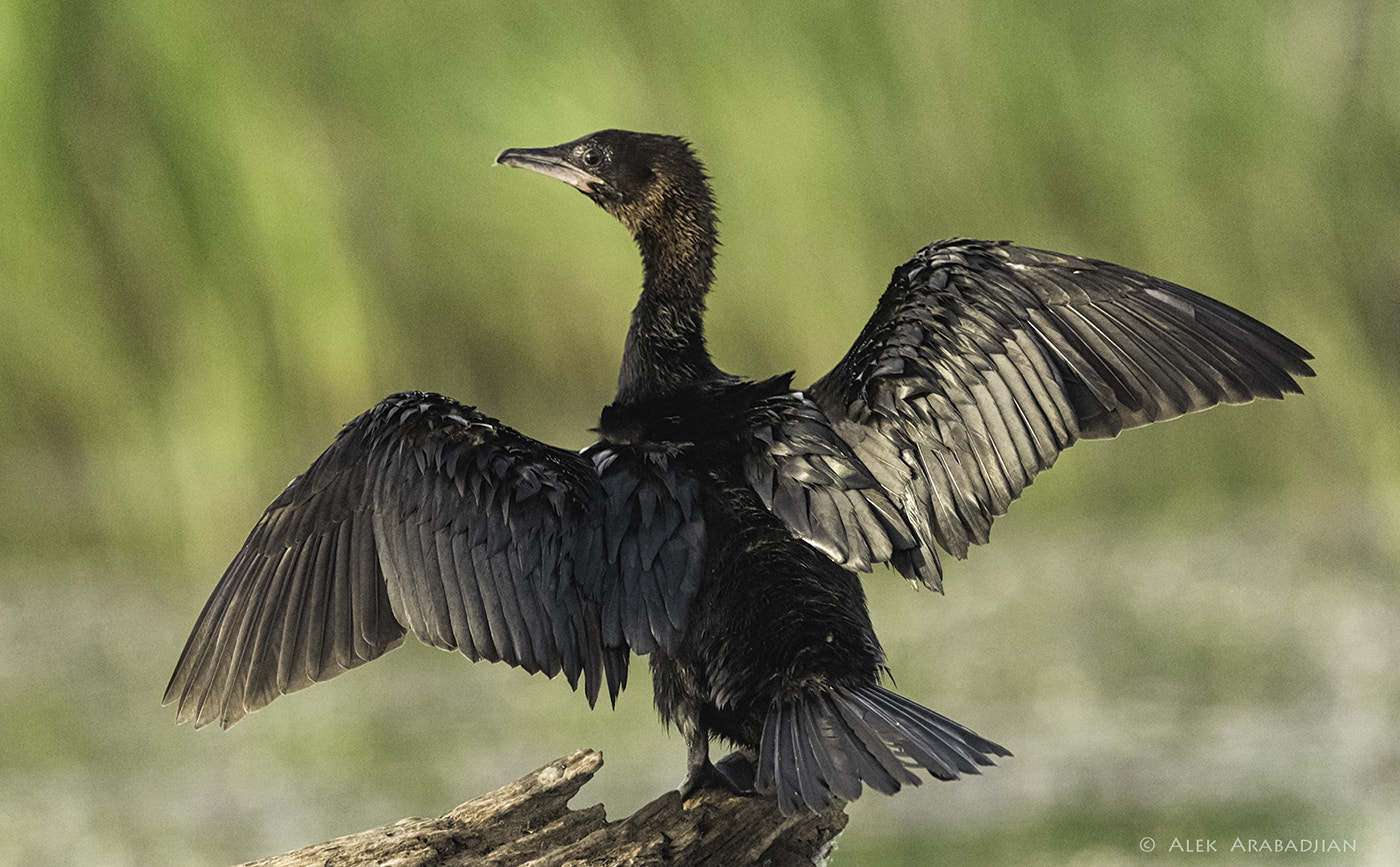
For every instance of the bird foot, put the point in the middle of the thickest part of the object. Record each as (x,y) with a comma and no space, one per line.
(738,771)
(734,773)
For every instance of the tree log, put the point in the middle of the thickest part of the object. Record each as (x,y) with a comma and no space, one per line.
(528,824)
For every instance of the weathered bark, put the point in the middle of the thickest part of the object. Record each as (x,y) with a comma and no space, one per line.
(528,822)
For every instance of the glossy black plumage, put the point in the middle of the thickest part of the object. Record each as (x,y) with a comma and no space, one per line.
(718,525)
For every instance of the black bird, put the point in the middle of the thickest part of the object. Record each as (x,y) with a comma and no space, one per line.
(718,524)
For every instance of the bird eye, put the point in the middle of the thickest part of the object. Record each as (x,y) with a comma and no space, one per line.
(591,157)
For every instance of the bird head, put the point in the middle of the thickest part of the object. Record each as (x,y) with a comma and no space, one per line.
(645,180)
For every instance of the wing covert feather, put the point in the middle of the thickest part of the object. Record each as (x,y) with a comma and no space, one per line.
(812,480)
(654,544)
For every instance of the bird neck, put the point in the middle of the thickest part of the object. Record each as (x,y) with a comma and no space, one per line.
(665,349)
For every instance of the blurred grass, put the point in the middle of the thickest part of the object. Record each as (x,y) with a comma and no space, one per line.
(229,228)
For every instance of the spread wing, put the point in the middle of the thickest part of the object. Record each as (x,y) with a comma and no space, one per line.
(425,515)
(983,361)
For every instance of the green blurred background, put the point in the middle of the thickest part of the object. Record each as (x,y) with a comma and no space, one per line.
(227,228)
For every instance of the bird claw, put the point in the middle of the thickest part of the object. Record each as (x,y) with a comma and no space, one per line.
(734,774)
(738,771)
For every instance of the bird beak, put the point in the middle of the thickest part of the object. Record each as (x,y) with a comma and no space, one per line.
(547,161)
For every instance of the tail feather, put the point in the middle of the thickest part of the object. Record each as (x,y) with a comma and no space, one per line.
(827,744)
(864,735)
(835,766)
(942,742)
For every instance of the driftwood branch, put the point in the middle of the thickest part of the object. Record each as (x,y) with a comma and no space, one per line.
(528,823)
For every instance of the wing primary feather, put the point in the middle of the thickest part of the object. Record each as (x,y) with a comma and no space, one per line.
(455,633)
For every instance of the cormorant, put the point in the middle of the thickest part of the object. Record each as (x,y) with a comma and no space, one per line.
(719,524)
